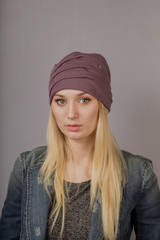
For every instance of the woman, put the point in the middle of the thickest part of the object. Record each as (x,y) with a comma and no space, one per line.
(81,186)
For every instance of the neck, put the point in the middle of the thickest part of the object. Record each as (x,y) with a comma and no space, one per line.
(79,168)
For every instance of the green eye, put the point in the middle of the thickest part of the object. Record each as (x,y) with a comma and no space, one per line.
(60,101)
(84,100)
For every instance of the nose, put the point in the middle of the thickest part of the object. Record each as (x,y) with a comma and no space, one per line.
(72,111)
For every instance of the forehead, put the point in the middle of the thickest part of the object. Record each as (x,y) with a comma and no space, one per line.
(71,92)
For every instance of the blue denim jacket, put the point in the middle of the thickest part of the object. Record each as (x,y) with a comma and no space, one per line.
(25,211)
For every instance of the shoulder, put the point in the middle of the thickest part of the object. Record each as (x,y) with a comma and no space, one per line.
(135,162)
(34,157)
(140,171)
(29,159)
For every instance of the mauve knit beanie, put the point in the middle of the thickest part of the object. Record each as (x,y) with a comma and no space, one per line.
(88,72)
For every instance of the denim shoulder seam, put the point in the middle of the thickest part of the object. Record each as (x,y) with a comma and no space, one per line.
(29,159)
(147,166)
(23,166)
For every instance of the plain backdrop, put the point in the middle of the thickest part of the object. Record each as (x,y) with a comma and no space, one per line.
(36,34)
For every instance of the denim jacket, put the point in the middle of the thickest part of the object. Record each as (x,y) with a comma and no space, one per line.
(25,211)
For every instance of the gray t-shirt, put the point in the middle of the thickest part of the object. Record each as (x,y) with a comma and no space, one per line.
(77,216)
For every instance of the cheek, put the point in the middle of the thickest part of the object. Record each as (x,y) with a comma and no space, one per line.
(93,118)
(58,116)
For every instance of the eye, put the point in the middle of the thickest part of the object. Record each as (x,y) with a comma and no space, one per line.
(60,101)
(84,100)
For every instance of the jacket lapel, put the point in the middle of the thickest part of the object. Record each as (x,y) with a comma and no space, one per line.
(96,228)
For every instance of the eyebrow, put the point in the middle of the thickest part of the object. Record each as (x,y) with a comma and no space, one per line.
(59,95)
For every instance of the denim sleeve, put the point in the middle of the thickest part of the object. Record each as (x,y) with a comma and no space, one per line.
(10,222)
(147,211)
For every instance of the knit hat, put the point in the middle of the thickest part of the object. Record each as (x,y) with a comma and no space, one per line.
(88,72)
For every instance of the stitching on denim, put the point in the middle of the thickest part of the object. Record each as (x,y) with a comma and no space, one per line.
(35,166)
(27,205)
(23,166)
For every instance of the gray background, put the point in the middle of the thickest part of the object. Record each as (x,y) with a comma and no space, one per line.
(35,34)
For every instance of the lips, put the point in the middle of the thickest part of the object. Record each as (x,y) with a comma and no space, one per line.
(73,127)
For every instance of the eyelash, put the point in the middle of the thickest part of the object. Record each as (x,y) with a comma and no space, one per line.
(59,101)
(84,100)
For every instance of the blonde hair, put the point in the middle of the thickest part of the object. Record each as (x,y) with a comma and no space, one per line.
(107,178)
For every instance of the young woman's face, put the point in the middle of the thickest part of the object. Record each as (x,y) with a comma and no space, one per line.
(76,113)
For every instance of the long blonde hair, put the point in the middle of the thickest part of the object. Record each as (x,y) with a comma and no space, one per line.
(107,178)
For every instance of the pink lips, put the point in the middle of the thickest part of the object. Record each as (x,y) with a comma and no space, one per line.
(73,127)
